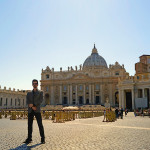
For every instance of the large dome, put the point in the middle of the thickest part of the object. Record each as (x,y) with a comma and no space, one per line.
(95,60)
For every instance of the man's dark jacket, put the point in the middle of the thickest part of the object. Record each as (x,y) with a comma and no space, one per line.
(34,98)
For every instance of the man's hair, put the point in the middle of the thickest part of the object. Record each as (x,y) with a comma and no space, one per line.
(34,80)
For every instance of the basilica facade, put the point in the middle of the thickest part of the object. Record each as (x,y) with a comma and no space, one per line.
(89,84)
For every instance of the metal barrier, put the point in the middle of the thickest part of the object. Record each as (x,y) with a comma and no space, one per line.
(110,116)
(55,116)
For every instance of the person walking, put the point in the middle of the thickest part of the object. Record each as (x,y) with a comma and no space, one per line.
(142,112)
(135,112)
(34,100)
(116,112)
(125,112)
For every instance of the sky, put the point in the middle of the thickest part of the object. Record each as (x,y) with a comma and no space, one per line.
(35,34)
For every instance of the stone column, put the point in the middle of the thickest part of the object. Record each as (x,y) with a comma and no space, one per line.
(68,94)
(90,100)
(49,92)
(84,100)
(110,95)
(143,93)
(60,96)
(52,95)
(133,101)
(77,95)
(71,94)
(120,98)
(123,102)
(136,93)
(101,91)
(93,98)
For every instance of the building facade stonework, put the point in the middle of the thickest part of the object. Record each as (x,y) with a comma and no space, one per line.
(134,91)
(12,98)
(90,83)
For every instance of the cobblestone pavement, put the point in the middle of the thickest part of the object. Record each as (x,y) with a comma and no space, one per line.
(131,133)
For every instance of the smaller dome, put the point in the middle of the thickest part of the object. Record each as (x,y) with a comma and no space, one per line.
(95,60)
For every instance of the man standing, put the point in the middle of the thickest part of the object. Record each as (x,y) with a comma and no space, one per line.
(34,99)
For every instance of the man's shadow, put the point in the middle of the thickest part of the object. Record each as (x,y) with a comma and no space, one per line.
(25,147)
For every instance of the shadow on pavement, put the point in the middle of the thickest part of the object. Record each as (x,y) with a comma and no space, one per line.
(25,147)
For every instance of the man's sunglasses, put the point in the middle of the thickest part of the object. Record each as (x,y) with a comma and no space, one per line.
(35,83)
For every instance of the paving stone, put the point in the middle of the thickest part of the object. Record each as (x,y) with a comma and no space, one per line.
(130,133)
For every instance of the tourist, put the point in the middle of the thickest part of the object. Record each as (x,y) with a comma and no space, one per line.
(125,112)
(119,113)
(34,100)
(142,112)
(116,112)
(135,112)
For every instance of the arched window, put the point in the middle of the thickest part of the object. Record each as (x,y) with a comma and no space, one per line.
(97,87)
(117,73)
(47,76)
(80,87)
(47,89)
(65,88)
(87,87)
(74,88)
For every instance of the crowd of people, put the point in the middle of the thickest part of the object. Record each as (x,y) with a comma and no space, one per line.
(118,113)
(142,112)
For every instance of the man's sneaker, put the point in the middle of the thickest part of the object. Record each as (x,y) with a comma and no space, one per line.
(42,141)
(27,141)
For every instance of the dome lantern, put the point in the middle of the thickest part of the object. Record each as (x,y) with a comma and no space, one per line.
(94,50)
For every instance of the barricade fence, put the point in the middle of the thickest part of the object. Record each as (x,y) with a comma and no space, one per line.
(55,116)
